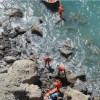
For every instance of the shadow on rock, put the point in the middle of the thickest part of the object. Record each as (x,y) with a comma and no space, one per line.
(21,95)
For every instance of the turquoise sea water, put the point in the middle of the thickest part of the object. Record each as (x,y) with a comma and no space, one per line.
(86,37)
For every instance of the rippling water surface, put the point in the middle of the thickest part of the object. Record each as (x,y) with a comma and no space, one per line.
(86,37)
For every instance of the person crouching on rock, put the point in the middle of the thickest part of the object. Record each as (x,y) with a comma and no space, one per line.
(60,69)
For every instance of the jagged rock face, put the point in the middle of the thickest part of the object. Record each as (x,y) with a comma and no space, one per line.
(23,71)
(71,94)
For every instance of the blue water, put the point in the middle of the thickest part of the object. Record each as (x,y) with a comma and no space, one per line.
(85,36)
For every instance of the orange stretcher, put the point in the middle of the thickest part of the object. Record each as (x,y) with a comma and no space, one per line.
(50,92)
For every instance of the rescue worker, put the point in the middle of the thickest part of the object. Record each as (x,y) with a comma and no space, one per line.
(47,61)
(60,10)
(60,69)
(53,96)
(57,84)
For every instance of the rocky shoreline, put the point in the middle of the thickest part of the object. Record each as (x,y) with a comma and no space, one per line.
(21,76)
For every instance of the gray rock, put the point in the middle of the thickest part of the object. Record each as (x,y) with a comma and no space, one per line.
(82,76)
(74,95)
(71,77)
(19,30)
(80,86)
(41,20)
(23,71)
(71,29)
(16,13)
(35,29)
(96,98)
(5,44)
(1,54)
(69,44)
(1,36)
(9,59)
(13,34)
(77,18)
(65,53)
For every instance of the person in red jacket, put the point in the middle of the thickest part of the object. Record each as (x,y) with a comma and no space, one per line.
(57,84)
(60,10)
(47,61)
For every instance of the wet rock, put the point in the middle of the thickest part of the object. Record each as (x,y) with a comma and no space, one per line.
(41,20)
(28,40)
(77,18)
(71,29)
(75,95)
(1,36)
(1,54)
(69,44)
(2,62)
(80,86)
(82,76)
(16,13)
(15,52)
(19,30)
(35,29)
(9,59)
(5,34)
(72,78)
(0,24)
(65,53)
(23,71)
(5,44)
(74,63)
(13,34)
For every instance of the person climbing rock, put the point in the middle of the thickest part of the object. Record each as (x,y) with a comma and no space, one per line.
(60,69)
(60,11)
(47,61)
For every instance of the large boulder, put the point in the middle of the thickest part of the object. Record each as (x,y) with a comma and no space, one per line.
(35,29)
(28,92)
(80,86)
(65,53)
(71,94)
(23,71)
